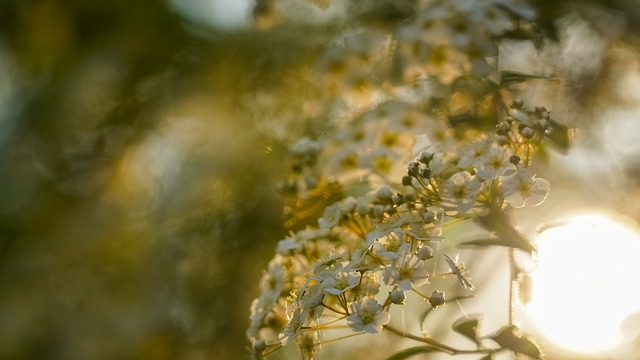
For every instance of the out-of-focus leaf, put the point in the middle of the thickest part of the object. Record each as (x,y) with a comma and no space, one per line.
(407,353)
(468,327)
(509,78)
(510,337)
(559,135)
(517,242)
(526,34)
(481,242)
(488,357)
(505,233)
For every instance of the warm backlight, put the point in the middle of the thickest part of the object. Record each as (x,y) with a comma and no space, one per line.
(586,283)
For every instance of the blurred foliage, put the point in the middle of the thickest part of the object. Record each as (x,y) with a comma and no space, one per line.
(136,168)
(135,188)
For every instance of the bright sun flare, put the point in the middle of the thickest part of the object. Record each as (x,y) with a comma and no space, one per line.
(586,283)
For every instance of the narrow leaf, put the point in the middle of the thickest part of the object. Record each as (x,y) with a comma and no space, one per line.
(509,78)
(407,353)
(510,337)
(468,327)
(482,242)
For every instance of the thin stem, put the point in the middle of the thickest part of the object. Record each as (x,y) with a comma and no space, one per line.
(438,345)
(333,309)
(340,338)
(328,323)
(512,276)
(267,353)
(426,340)
(421,294)
(328,327)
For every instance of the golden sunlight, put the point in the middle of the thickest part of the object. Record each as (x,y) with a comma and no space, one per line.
(585,283)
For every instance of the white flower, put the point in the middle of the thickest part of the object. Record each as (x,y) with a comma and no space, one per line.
(312,297)
(272,282)
(459,270)
(366,315)
(340,282)
(461,189)
(293,326)
(473,153)
(392,246)
(407,273)
(522,189)
(494,163)
(288,245)
(442,162)
(334,213)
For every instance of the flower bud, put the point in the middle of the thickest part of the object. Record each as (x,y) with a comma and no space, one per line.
(425,252)
(503,128)
(413,169)
(519,115)
(378,211)
(514,159)
(384,193)
(363,208)
(397,297)
(517,103)
(406,181)
(527,132)
(543,124)
(426,173)
(259,346)
(429,217)
(425,157)
(502,140)
(437,299)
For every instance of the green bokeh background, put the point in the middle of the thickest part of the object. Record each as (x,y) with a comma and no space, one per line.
(139,153)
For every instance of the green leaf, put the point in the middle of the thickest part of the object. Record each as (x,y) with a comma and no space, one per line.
(503,233)
(407,353)
(509,78)
(510,337)
(559,135)
(468,327)
(482,242)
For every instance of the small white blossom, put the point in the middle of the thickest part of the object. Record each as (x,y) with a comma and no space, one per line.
(367,315)
(460,190)
(272,282)
(407,273)
(522,188)
(288,245)
(494,163)
(459,270)
(293,326)
(312,297)
(392,246)
(473,154)
(334,213)
(340,282)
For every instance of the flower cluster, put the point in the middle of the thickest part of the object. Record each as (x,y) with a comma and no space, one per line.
(445,144)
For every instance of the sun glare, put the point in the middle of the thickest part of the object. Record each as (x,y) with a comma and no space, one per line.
(585,283)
